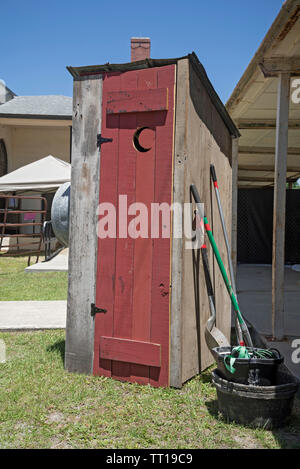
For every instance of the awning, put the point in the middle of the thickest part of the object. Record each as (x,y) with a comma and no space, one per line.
(45,174)
(253,104)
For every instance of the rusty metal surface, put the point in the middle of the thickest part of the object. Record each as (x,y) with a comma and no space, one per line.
(19,248)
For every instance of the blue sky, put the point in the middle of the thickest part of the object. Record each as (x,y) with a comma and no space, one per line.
(40,38)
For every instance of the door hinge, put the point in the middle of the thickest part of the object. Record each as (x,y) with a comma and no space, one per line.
(101,140)
(95,310)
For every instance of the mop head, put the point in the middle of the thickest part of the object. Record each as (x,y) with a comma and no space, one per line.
(242,352)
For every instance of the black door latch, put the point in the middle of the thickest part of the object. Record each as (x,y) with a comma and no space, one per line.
(95,310)
(101,140)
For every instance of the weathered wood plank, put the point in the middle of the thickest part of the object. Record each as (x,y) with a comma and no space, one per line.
(264,124)
(280,206)
(256,179)
(270,169)
(144,192)
(161,274)
(294,177)
(278,66)
(119,102)
(87,100)
(266,150)
(180,156)
(130,351)
(106,281)
(208,141)
(124,262)
(235,153)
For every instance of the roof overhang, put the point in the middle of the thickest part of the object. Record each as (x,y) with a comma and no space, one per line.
(35,121)
(79,73)
(253,103)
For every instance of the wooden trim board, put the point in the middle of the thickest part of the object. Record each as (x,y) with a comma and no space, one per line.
(120,102)
(177,241)
(130,351)
(87,99)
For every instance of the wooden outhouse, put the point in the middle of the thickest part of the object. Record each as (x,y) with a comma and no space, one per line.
(143,132)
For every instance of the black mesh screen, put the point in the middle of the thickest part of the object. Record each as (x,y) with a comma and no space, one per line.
(292,230)
(255,226)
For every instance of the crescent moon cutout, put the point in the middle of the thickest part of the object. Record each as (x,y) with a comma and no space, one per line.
(136,142)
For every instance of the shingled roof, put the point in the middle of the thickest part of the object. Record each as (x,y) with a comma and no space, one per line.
(42,107)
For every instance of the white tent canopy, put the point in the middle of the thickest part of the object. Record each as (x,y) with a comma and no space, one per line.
(43,175)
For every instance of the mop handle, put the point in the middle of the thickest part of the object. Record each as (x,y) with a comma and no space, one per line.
(216,186)
(223,271)
(228,248)
(219,259)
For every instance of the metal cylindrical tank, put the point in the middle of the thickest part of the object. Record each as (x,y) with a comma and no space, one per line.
(60,213)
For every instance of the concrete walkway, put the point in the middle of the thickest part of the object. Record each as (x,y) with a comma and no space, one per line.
(254,288)
(58,264)
(32,315)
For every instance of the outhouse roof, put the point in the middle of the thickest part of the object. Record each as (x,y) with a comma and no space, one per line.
(78,72)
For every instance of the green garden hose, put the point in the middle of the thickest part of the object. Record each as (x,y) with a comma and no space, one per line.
(246,353)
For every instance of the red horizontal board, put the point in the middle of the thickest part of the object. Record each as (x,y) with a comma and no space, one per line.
(130,351)
(119,102)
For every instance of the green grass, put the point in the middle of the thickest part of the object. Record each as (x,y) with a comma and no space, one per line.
(43,406)
(16,285)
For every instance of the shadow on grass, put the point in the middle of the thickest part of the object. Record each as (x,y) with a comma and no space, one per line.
(288,437)
(206,378)
(212,407)
(58,346)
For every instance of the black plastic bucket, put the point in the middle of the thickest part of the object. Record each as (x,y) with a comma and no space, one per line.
(255,371)
(257,406)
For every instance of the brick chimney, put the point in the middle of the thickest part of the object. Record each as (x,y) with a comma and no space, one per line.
(140,48)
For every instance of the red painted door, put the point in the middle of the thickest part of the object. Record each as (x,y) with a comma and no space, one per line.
(133,276)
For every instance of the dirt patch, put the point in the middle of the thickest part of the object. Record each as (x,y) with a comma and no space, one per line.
(58,444)
(23,428)
(55,417)
(246,442)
